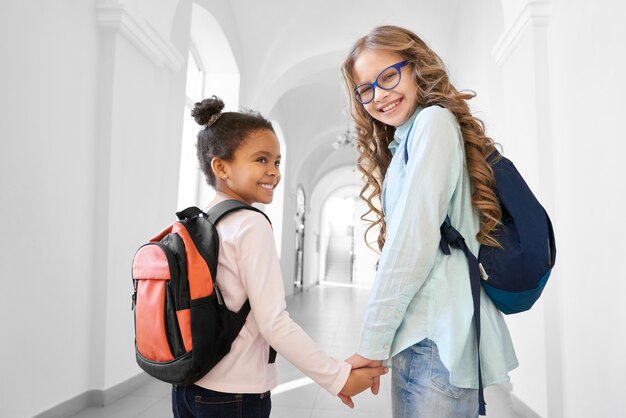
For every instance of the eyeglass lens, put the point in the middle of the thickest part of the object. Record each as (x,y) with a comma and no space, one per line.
(386,80)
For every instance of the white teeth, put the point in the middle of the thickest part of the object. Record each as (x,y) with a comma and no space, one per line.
(267,186)
(389,106)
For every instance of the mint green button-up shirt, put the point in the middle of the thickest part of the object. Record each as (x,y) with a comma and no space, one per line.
(418,291)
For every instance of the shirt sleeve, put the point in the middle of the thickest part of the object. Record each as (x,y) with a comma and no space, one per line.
(433,168)
(262,279)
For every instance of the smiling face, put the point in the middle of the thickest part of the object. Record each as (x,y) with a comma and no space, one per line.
(253,173)
(392,107)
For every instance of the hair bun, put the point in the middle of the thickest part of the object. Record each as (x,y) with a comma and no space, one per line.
(202,111)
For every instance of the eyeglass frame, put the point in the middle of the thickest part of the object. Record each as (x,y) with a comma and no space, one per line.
(398,66)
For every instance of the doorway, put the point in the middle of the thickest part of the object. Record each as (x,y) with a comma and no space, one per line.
(346,259)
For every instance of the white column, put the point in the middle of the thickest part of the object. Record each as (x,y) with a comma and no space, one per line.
(522,54)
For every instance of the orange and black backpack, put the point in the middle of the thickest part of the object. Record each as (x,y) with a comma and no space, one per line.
(182,326)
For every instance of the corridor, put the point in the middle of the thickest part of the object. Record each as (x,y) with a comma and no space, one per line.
(331,314)
(98,153)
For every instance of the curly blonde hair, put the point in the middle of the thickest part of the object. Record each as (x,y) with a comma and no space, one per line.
(434,88)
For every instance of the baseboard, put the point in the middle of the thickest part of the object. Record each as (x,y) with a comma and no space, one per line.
(95,398)
(509,401)
(521,409)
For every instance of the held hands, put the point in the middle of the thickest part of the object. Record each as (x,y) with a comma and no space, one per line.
(364,374)
(358,361)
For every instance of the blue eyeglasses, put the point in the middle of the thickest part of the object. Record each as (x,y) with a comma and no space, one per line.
(388,79)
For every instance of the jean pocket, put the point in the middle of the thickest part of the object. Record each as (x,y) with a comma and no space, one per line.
(440,377)
(218,406)
(218,400)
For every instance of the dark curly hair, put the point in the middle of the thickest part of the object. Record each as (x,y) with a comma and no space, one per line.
(223,134)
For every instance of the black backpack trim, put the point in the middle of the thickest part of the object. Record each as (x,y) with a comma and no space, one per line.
(209,316)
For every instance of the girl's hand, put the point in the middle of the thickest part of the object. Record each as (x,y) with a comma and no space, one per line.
(346,399)
(358,361)
(359,380)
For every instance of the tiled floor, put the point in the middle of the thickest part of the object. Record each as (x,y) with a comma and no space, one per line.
(332,316)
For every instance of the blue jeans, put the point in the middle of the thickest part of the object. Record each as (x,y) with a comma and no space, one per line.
(421,386)
(196,402)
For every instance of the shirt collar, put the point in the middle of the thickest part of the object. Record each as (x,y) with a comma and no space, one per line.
(402,130)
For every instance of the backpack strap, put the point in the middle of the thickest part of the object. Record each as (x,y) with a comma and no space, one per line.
(443,243)
(245,308)
(190,212)
(406,144)
(214,215)
(227,206)
(450,237)
(406,140)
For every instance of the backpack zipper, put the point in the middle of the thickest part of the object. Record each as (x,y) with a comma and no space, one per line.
(549,253)
(218,293)
(134,297)
(172,286)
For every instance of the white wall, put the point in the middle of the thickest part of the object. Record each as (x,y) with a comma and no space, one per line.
(139,176)
(47,154)
(586,71)
(553,90)
(471,65)
(90,138)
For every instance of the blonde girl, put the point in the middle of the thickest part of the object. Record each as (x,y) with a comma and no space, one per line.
(423,157)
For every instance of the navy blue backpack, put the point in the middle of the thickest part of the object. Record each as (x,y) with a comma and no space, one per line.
(512,276)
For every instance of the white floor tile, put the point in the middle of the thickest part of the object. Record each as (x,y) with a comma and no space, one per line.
(288,412)
(302,397)
(332,316)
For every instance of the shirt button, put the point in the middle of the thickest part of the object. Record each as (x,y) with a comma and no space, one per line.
(398,315)
(386,346)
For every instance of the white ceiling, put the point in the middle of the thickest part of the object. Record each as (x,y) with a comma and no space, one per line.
(289,54)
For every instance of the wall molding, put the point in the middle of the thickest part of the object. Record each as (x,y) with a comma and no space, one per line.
(535,13)
(140,34)
(95,398)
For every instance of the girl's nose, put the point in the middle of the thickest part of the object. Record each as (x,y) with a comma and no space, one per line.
(380,94)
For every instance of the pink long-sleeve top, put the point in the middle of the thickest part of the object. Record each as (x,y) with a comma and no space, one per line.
(248,267)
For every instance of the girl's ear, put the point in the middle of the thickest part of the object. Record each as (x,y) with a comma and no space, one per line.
(220,168)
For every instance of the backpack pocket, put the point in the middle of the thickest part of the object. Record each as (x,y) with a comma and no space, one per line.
(157,333)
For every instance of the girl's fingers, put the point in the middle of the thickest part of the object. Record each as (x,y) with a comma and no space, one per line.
(376,385)
(347,400)
(375,372)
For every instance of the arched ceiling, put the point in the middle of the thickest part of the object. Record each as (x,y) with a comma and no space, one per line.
(289,54)
(205,26)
